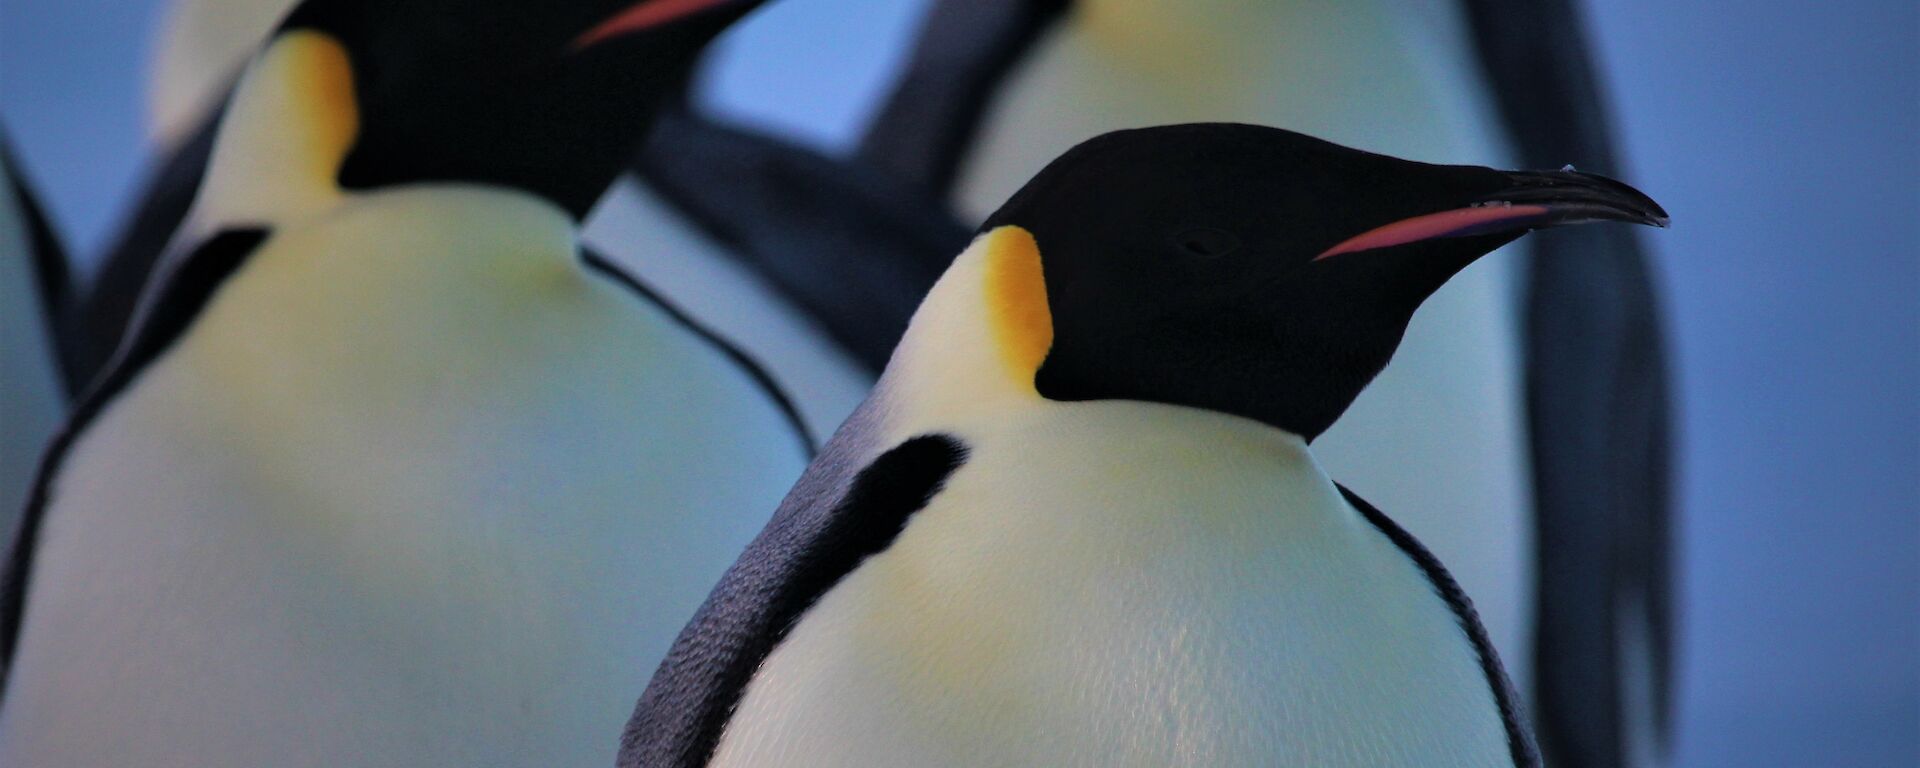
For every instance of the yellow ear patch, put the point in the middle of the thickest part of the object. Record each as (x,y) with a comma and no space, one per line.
(316,67)
(1016,291)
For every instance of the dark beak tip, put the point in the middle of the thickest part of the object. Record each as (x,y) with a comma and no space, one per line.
(1651,213)
(1649,216)
(1597,197)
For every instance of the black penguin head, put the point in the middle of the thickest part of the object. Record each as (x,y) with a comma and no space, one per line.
(1259,272)
(550,96)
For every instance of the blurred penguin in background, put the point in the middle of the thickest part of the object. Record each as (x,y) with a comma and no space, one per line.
(390,471)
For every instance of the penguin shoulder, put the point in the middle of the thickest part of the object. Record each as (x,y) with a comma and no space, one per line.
(850,505)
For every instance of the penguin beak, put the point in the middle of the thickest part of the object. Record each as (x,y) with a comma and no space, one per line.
(1532,200)
(642,16)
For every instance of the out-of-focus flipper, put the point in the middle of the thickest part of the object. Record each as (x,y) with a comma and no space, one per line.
(965,47)
(48,271)
(1597,402)
(36,337)
(129,264)
(851,246)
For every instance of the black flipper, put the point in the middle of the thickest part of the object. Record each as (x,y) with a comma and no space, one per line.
(608,269)
(52,274)
(965,47)
(188,290)
(107,309)
(848,245)
(1520,743)
(1597,403)
(840,513)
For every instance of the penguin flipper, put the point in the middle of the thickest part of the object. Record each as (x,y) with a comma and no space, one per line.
(1520,742)
(1597,413)
(188,289)
(922,131)
(846,244)
(106,311)
(843,510)
(52,276)
(1597,406)
(36,336)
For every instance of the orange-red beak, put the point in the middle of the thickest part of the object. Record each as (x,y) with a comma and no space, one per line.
(641,16)
(1536,199)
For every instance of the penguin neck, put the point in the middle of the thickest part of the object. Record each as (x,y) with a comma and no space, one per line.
(976,344)
(977,340)
(292,119)
(1210,29)
(290,125)
(1405,50)
(1392,76)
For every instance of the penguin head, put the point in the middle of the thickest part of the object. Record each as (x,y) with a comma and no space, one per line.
(1260,272)
(549,96)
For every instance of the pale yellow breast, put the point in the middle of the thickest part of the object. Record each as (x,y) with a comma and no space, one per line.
(1119,584)
(416,489)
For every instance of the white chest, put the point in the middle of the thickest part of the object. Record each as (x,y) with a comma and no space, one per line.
(394,501)
(1114,584)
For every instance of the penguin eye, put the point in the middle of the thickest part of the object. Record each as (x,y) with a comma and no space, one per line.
(1207,242)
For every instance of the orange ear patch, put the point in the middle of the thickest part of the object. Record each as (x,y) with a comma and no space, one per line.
(319,110)
(1017,311)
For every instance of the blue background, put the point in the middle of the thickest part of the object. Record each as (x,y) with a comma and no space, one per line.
(1784,135)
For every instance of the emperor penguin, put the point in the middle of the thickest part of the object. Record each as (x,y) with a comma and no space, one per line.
(34,297)
(819,322)
(391,473)
(1079,523)
(1440,437)
(1563,540)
